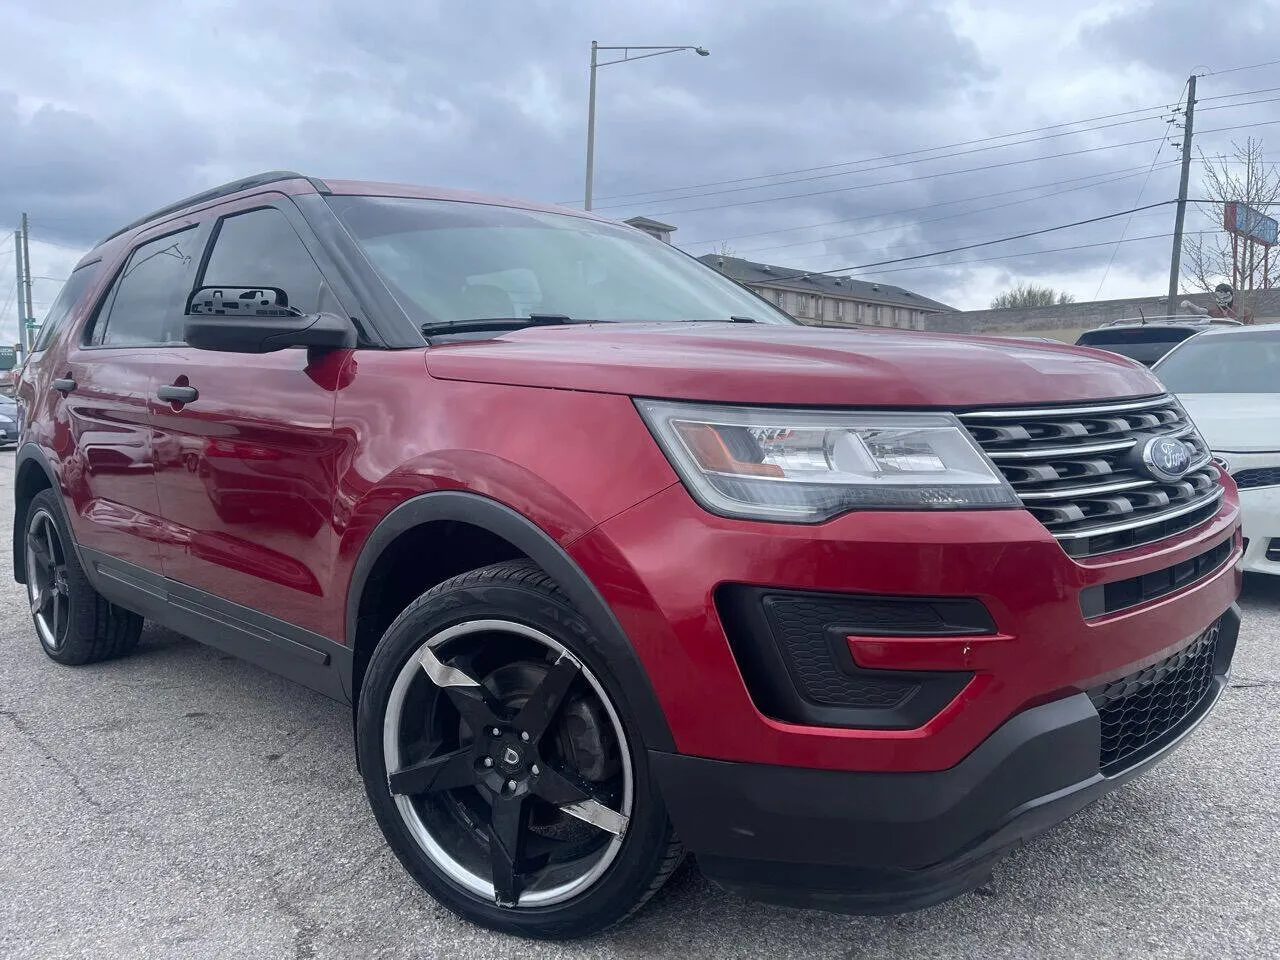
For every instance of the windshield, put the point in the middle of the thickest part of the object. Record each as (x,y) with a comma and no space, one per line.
(1225,363)
(447,261)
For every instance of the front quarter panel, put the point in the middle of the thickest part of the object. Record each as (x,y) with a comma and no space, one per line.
(565,460)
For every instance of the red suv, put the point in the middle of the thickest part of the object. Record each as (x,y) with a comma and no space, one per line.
(612,559)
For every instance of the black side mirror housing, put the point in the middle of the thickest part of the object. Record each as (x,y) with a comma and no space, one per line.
(260,320)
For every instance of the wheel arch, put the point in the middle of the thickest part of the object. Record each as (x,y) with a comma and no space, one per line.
(32,473)
(522,537)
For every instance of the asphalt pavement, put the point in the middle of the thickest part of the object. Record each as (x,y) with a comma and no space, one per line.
(180,803)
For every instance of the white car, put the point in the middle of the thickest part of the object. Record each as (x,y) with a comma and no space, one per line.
(1228,378)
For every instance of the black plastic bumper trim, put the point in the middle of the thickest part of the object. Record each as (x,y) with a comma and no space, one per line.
(807,674)
(1104,598)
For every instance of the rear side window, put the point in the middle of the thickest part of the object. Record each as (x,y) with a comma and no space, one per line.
(73,291)
(261,249)
(140,307)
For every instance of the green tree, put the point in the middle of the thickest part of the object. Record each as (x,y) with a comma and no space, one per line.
(1030,295)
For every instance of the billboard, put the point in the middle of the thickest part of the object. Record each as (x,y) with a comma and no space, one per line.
(1244,221)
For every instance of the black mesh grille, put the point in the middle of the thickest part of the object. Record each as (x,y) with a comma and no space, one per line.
(1075,469)
(1257,477)
(1139,710)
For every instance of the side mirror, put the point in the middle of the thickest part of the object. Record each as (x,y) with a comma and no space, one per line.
(259,320)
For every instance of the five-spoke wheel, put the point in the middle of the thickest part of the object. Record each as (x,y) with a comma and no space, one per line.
(501,763)
(47,586)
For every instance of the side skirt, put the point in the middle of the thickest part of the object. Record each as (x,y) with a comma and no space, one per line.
(290,651)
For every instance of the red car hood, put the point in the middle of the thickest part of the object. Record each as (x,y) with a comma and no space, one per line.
(758,363)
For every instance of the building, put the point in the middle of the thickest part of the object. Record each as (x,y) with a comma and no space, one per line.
(824,300)
(654,228)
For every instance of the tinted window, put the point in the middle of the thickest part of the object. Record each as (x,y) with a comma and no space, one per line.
(72,292)
(448,261)
(142,306)
(261,249)
(1144,344)
(1224,363)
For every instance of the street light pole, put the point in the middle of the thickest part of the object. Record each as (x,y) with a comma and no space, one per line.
(591,127)
(591,95)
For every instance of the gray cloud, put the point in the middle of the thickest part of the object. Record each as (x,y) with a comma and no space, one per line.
(109,116)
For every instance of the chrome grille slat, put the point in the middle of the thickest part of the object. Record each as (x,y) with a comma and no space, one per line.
(1074,469)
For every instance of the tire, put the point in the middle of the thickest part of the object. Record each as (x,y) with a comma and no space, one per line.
(468,651)
(74,623)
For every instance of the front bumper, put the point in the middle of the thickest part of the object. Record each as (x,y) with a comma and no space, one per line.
(1260,516)
(886,842)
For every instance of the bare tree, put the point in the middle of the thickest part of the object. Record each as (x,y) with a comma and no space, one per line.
(1030,295)
(1210,258)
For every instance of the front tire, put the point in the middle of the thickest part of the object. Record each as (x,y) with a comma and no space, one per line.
(74,623)
(502,762)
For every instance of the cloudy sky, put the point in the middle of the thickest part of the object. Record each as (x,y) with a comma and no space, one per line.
(786,145)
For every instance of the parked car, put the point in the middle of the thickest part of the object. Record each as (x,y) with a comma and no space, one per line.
(8,422)
(1228,379)
(611,559)
(1146,339)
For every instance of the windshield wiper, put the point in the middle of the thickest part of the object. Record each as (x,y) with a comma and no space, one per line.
(485,324)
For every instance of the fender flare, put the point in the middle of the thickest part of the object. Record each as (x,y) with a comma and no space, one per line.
(530,539)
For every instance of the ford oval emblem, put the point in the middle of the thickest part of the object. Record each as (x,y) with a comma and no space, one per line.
(1166,459)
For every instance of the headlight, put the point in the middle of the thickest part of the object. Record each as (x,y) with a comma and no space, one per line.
(805,466)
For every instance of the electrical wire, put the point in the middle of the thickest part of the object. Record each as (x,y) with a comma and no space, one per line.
(1155,110)
(887,166)
(1035,253)
(949,173)
(952,216)
(927,206)
(974,246)
(1251,66)
(1136,200)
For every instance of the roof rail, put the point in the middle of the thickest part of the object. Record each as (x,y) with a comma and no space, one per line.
(226,190)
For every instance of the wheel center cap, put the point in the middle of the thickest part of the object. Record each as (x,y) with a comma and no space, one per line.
(511,756)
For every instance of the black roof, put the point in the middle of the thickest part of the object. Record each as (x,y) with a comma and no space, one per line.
(791,278)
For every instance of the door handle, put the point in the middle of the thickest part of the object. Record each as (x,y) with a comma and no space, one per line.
(176,394)
(64,384)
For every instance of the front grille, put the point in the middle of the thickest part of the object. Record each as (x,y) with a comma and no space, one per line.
(1105,598)
(1257,477)
(1139,712)
(1074,469)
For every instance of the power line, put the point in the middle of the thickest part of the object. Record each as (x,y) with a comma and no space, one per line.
(949,173)
(927,206)
(974,246)
(1036,253)
(1136,200)
(913,179)
(1251,66)
(872,169)
(1157,108)
(951,216)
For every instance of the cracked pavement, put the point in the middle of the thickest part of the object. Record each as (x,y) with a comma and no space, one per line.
(180,803)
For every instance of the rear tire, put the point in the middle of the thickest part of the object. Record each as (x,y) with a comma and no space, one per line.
(490,702)
(74,623)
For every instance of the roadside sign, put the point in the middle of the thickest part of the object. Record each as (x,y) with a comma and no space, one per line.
(1244,221)
(8,358)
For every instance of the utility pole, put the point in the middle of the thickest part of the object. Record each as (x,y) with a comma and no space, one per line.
(1175,264)
(25,308)
(18,275)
